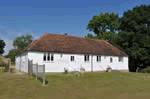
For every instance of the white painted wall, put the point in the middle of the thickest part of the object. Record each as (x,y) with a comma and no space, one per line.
(22,62)
(60,63)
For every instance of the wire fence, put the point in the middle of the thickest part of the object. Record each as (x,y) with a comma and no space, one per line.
(37,70)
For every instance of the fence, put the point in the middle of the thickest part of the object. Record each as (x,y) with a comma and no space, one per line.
(37,70)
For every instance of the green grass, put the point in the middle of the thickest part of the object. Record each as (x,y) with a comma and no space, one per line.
(115,85)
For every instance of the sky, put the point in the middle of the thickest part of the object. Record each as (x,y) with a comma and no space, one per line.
(36,17)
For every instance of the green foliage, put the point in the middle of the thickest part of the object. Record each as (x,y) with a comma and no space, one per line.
(22,41)
(19,43)
(12,53)
(104,26)
(2,45)
(89,35)
(134,38)
(136,20)
(104,22)
(146,70)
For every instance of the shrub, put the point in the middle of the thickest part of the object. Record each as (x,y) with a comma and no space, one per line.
(146,70)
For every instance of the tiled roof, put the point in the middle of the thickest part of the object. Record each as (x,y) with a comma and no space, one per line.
(71,44)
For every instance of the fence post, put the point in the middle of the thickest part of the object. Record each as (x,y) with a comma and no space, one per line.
(44,75)
(36,70)
(32,67)
(9,64)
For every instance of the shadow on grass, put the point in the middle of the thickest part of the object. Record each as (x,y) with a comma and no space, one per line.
(41,79)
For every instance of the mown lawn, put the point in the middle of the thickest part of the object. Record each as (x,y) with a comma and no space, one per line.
(113,85)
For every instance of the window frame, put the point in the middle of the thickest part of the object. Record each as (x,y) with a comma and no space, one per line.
(120,58)
(98,58)
(111,59)
(86,58)
(52,57)
(72,58)
(48,57)
(44,57)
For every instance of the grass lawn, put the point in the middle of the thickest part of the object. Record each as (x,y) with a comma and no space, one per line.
(113,85)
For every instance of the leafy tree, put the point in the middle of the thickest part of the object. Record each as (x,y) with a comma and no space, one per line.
(104,25)
(136,20)
(134,37)
(89,35)
(12,53)
(104,22)
(22,41)
(2,45)
(19,43)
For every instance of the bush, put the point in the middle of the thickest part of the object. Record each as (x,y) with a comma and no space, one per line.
(6,67)
(146,70)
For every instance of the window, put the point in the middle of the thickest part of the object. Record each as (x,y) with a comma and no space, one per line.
(61,55)
(120,59)
(48,57)
(86,57)
(111,60)
(44,57)
(52,57)
(98,58)
(72,58)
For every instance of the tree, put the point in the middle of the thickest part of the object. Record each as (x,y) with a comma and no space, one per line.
(65,33)
(90,35)
(22,41)
(19,43)
(2,45)
(12,53)
(104,25)
(134,38)
(136,20)
(104,22)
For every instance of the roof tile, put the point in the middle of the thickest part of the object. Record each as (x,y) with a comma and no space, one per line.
(72,44)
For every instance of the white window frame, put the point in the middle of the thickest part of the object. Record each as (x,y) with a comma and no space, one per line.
(98,58)
(111,60)
(48,56)
(44,57)
(120,58)
(86,58)
(72,58)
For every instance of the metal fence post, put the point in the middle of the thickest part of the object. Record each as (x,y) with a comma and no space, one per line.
(36,70)
(44,75)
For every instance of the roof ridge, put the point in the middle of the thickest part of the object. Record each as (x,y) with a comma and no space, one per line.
(33,44)
(38,40)
(62,43)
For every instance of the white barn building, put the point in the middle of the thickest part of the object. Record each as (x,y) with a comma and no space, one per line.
(63,51)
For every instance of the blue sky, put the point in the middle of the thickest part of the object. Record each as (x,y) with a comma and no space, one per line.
(19,17)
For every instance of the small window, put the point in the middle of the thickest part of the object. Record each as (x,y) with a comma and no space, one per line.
(72,58)
(111,60)
(52,57)
(120,59)
(86,58)
(61,55)
(44,57)
(48,57)
(98,58)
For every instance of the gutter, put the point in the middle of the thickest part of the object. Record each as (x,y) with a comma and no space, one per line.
(91,63)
